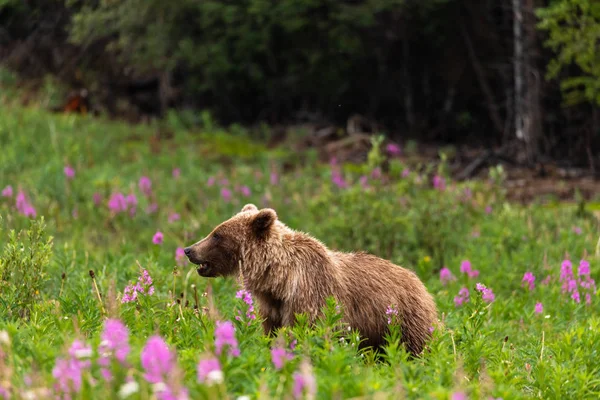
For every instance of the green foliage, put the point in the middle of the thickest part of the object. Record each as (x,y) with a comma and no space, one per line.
(23,269)
(499,349)
(240,54)
(573,27)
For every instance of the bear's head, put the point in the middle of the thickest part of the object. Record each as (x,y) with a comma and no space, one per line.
(220,253)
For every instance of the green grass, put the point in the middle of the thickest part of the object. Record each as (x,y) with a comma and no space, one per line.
(486,350)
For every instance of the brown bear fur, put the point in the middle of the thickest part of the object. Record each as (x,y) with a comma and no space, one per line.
(290,272)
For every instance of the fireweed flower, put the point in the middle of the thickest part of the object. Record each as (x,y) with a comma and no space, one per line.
(463,297)
(145,185)
(279,356)
(577,230)
(210,181)
(439,183)
(376,173)
(68,372)
(459,396)
(446,276)
(97,198)
(132,202)
(69,172)
(391,312)
(157,360)
(245,190)
(209,371)
(488,209)
(225,336)
(338,179)
(539,308)
(465,268)
(23,205)
(114,344)
(393,149)
(143,287)
(117,202)
(528,280)
(304,381)
(246,296)
(174,217)
(176,173)
(486,293)
(158,238)
(152,208)
(7,191)
(226,194)
(405,172)
(180,257)
(274,179)
(364,181)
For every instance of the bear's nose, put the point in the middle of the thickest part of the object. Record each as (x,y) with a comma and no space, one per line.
(187,251)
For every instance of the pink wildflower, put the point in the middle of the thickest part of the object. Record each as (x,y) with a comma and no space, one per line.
(279,356)
(225,336)
(180,256)
(157,360)
(439,183)
(246,296)
(274,178)
(143,286)
(459,396)
(97,198)
(211,181)
(176,173)
(528,280)
(209,371)
(117,202)
(539,308)
(152,208)
(158,238)
(114,344)
(488,209)
(226,194)
(338,179)
(68,372)
(446,276)
(364,181)
(575,297)
(7,191)
(23,205)
(393,149)
(174,217)
(577,230)
(486,293)
(304,381)
(376,173)
(69,172)
(584,268)
(465,266)
(391,312)
(245,190)
(405,172)
(463,297)
(145,185)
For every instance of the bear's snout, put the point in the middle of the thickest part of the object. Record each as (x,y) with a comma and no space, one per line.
(187,251)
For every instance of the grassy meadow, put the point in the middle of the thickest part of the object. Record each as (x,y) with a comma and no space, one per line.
(97,301)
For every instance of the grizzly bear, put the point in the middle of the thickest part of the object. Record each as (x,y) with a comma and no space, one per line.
(290,272)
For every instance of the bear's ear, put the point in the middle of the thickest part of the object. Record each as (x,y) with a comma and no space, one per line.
(262,222)
(249,207)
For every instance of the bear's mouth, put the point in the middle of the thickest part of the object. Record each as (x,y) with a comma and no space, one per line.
(204,269)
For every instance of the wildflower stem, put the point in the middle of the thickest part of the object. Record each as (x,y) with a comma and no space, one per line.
(93,276)
(542,350)
(453,345)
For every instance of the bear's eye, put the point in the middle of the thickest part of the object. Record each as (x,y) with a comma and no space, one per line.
(216,236)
